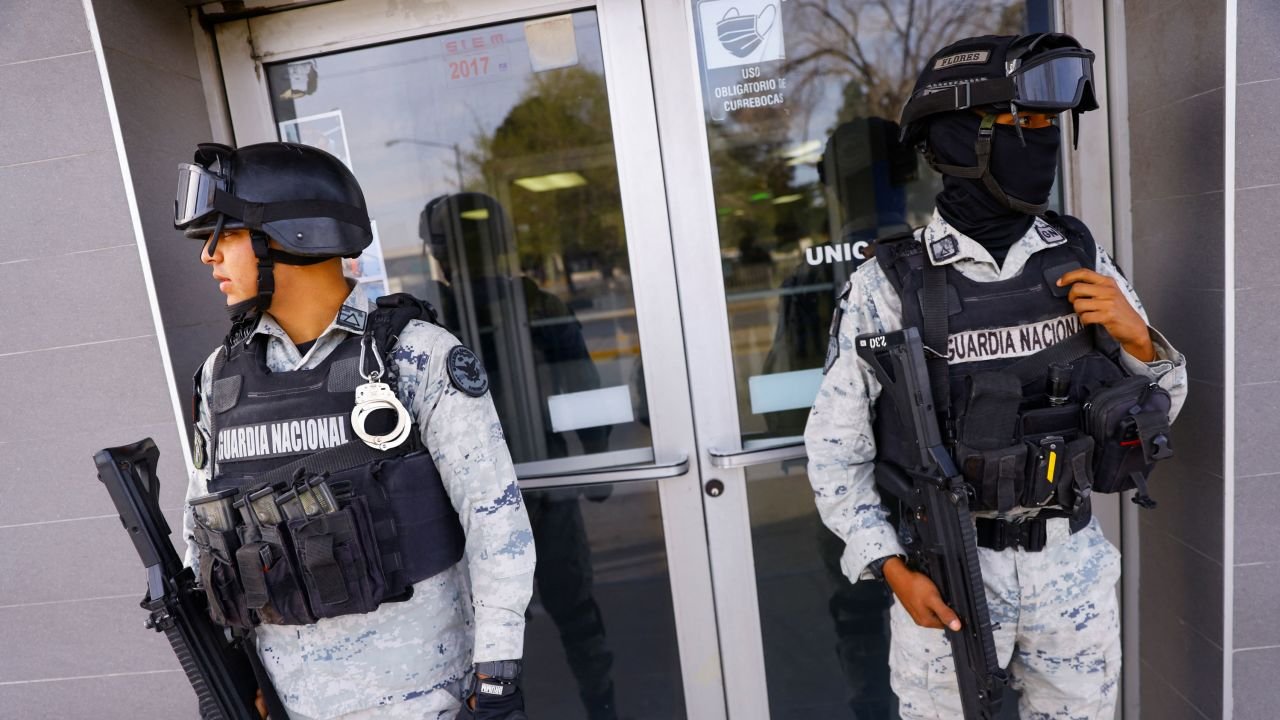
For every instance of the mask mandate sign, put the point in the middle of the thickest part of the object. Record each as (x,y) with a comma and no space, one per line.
(737,38)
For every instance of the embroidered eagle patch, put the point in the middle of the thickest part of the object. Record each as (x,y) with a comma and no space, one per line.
(465,371)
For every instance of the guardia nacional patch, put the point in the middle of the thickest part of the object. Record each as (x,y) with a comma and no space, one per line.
(465,371)
(944,248)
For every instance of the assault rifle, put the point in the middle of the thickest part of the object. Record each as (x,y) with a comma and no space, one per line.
(219,672)
(940,537)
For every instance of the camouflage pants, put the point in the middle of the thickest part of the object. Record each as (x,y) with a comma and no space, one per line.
(439,704)
(1058,634)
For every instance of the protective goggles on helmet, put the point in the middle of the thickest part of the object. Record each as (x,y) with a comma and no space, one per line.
(197,187)
(1055,81)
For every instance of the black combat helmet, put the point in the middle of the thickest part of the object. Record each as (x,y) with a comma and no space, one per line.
(303,198)
(1043,73)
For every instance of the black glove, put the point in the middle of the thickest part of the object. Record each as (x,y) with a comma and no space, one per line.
(503,701)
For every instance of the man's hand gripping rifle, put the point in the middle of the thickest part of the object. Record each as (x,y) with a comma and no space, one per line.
(936,513)
(220,673)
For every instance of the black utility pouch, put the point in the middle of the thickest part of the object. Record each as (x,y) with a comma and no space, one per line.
(1054,452)
(219,577)
(995,475)
(339,560)
(1129,423)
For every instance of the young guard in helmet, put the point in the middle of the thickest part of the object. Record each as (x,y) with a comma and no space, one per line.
(1017,280)
(354,510)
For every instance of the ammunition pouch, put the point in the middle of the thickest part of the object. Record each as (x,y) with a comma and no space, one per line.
(379,528)
(1128,420)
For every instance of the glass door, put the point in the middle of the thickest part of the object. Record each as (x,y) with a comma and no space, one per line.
(487,141)
(790,168)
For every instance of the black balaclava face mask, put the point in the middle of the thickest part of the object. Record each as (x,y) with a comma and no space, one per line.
(1026,173)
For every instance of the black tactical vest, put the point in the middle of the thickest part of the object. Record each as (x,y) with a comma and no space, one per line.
(1015,448)
(281,433)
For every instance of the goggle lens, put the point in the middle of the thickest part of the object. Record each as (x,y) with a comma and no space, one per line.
(1055,84)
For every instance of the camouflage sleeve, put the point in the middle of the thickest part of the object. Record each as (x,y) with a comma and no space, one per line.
(465,439)
(198,483)
(838,436)
(1169,368)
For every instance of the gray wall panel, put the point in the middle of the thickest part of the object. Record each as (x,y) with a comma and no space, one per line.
(1176,72)
(1257,586)
(33,30)
(166,694)
(1195,122)
(118,382)
(1258,336)
(1257,507)
(1258,153)
(89,281)
(157,32)
(40,122)
(1255,676)
(1257,225)
(1175,218)
(47,200)
(1162,700)
(92,637)
(62,484)
(1257,393)
(1258,56)
(1257,407)
(1173,50)
(96,556)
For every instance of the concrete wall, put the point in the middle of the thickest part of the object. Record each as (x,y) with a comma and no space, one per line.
(81,368)
(1176,67)
(1256,635)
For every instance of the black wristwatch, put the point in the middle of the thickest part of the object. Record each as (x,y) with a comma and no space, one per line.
(876,567)
(501,680)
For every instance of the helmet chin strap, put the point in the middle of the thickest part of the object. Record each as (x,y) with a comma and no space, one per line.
(982,171)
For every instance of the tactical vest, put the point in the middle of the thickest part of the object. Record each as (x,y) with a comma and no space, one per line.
(304,520)
(1019,449)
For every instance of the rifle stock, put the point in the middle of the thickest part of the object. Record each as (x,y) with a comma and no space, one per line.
(943,542)
(219,672)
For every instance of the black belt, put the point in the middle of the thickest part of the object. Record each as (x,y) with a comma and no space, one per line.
(1030,535)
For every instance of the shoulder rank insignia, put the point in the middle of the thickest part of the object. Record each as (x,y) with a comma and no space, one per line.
(944,248)
(1049,234)
(465,371)
(352,318)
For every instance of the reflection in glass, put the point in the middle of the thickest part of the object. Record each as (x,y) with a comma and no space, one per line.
(826,640)
(801,102)
(487,160)
(601,555)
(806,165)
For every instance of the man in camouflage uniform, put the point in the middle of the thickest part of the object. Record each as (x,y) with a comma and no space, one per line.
(1055,609)
(410,659)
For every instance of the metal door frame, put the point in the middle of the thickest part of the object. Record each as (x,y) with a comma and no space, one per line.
(245,45)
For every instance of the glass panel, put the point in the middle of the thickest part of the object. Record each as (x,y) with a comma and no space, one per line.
(826,640)
(600,642)
(802,100)
(487,161)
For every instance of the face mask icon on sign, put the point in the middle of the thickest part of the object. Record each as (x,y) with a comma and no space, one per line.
(742,34)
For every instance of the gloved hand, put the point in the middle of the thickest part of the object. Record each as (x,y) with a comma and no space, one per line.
(486,706)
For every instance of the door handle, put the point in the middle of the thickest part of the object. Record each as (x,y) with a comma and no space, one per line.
(759,452)
(610,474)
